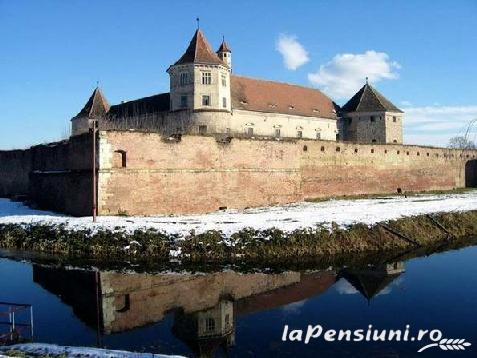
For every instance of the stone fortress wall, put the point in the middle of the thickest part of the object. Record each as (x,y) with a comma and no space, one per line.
(146,173)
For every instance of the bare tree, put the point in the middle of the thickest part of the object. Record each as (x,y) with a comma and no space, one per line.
(460,142)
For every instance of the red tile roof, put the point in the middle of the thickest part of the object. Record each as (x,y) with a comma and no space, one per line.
(268,96)
(199,51)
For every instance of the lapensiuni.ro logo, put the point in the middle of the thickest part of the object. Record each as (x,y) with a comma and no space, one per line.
(430,338)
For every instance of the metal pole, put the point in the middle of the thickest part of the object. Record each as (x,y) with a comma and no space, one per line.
(31,322)
(94,170)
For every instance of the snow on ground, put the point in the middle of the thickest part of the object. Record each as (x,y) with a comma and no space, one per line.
(38,349)
(285,217)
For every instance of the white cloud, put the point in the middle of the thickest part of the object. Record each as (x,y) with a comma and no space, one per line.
(293,52)
(435,125)
(345,73)
(294,307)
(343,287)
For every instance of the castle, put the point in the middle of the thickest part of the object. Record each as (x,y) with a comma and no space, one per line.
(218,141)
(206,98)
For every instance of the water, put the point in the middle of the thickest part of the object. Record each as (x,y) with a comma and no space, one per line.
(244,314)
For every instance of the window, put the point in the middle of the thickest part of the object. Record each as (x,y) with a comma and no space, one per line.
(350,120)
(227,320)
(206,100)
(227,130)
(206,78)
(119,160)
(373,119)
(318,135)
(374,141)
(224,80)
(394,119)
(184,79)
(183,101)
(299,134)
(372,150)
(250,131)
(224,102)
(209,324)
(394,141)
(202,129)
(277,133)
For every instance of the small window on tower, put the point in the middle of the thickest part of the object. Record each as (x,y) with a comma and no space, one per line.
(206,78)
(202,129)
(394,119)
(184,79)
(224,102)
(206,100)
(277,133)
(299,134)
(318,135)
(183,101)
(224,81)
(250,131)
(373,119)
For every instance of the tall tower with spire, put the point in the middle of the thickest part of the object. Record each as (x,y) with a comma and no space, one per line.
(200,79)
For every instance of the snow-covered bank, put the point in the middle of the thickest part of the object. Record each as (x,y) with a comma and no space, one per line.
(40,349)
(286,218)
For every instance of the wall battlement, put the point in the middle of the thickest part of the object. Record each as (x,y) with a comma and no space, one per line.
(144,173)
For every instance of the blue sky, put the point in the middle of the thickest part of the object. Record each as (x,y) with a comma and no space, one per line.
(420,54)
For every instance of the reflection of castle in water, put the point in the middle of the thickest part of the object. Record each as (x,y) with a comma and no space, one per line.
(372,280)
(205,307)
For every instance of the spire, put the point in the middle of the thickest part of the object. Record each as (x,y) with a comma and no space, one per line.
(199,51)
(97,105)
(224,47)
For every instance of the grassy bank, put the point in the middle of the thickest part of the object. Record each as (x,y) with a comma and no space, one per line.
(246,245)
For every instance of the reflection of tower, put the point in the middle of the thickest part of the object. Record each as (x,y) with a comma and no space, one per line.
(372,280)
(208,330)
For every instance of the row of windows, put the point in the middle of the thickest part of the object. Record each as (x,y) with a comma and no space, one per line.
(372,119)
(205,101)
(206,79)
(249,132)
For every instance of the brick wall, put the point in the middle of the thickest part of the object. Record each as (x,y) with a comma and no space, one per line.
(198,174)
(15,166)
(57,176)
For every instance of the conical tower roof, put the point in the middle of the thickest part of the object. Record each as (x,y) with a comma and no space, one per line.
(96,107)
(199,51)
(224,47)
(368,99)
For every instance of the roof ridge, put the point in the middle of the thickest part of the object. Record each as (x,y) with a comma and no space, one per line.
(279,82)
(375,92)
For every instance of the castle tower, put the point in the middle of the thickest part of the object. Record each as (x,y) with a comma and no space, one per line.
(368,117)
(200,80)
(225,54)
(96,108)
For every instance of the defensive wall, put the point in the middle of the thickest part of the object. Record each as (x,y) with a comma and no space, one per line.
(146,173)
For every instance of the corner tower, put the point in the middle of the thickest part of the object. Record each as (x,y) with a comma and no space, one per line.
(368,117)
(96,108)
(200,80)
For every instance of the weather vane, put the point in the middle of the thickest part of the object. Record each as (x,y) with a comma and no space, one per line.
(198,23)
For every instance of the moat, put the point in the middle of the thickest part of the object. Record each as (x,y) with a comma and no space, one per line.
(243,314)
